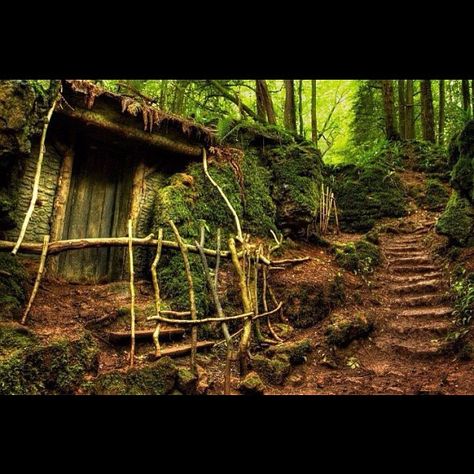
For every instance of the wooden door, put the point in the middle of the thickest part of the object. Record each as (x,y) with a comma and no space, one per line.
(98,206)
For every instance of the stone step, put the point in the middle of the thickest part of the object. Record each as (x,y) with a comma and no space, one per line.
(414,288)
(425,313)
(420,349)
(412,250)
(415,278)
(413,269)
(431,329)
(434,299)
(423,259)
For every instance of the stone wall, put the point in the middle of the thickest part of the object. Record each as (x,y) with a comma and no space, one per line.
(41,219)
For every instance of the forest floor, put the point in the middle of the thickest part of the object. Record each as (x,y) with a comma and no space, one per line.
(407,297)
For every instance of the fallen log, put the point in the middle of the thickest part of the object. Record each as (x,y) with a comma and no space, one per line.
(76,244)
(184,349)
(124,336)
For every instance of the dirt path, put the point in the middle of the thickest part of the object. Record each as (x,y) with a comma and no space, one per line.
(407,353)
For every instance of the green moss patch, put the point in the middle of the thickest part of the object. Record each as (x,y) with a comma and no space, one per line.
(252,384)
(296,351)
(457,221)
(56,368)
(360,257)
(158,378)
(13,279)
(462,159)
(272,370)
(434,196)
(343,329)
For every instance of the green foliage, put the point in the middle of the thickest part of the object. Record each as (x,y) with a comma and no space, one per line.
(295,351)
(457,221)
(360,257)
(463,290)
(462,157)
(343,330)
(252,384)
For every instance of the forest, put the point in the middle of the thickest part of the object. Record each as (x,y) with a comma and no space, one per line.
(236,237)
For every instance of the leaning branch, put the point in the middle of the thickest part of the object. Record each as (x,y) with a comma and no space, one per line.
(39,165)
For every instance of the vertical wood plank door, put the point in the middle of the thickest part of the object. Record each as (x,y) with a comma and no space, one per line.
(98,206)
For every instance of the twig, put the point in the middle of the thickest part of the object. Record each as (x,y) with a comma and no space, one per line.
(39,164)
(218,258)
(39,275)
(286,261)
(221,192)
(132,292)
(156,288)
(265,304)
(192,300)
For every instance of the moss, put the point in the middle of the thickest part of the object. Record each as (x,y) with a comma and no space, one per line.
(365,194)
(360,257)
(57,368)
(158,378)
(426,157)
(13,279)
(186,381)
(457,221)
(307,305)
(284,331)
(434,197)
(252,384)
(274,370)
(373,236)
(337,293)
(297,178)
(296,351)
(462,158)
(343,330)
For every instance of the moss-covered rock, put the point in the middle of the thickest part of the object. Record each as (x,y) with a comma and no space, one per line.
(13,279)
(158,378)
(252,384)
(272,370)
(360,257)
(365,194)
(435,195)
(29,368)
(457,221)
(343,329)
(296,351)
(462,159)
(186,381)
(306,305)
(297,178)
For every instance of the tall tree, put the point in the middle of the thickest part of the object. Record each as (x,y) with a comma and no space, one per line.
(441,113)
(401,107)
(264,102)
(466,99)
(427,112)
(409,112)
(300,106)
(472,96)
(290,110)
(314,117)
(391,131)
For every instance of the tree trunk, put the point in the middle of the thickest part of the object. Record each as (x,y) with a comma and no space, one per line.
(401,108)
(314,117)
(290,110)
(427,112)
(409,115)
(472,96)
(391,131)
(163,90)
(441,116)
(300,106)
(466,99)
(264,102)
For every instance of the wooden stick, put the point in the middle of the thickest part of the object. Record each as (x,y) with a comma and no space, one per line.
(156,288)
(336,216)
(132,292)
(218,258)
(86,243)
(202,235)
(265,304)
(220,313)
(192,300)
(221,192)
(39,164)
(195,322)
(39,275)
(287,261)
